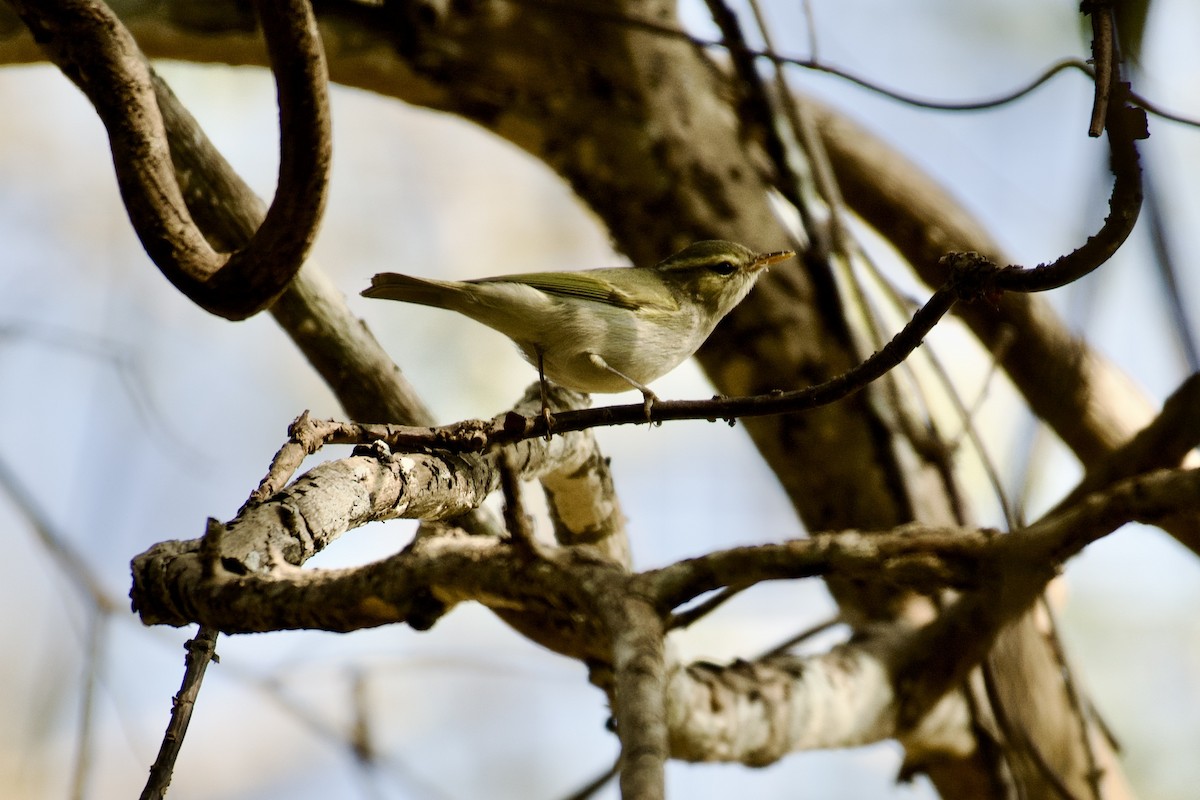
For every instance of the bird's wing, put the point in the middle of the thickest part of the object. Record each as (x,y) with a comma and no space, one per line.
(636,292)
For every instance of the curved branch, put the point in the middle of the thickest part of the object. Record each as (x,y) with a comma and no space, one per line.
(95,50)
(259,272)
(923,221)
(312,310)
(1125,124)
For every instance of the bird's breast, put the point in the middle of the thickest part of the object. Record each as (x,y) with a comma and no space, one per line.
(643,346)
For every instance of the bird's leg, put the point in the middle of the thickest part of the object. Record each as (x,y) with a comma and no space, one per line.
(648,397)
(546,415)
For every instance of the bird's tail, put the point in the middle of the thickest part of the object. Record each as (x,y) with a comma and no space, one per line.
(407,289)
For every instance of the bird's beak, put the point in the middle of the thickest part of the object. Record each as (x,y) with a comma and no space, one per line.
(764,260)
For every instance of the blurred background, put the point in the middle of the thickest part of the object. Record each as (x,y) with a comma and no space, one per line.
(128,416)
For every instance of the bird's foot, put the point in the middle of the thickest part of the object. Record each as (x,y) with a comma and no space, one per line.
(649,398)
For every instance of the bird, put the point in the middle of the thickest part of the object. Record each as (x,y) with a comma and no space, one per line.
(601,330)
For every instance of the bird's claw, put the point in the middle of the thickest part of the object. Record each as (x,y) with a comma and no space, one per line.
(649,398)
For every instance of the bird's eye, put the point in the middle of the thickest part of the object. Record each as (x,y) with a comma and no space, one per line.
(724,268)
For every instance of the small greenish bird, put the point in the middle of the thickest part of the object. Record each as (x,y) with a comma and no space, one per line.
(601,330)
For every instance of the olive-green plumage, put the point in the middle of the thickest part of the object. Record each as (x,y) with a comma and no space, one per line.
(601,330)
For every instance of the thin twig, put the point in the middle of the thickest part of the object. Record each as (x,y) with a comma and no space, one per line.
(200,651)
(666,31)
(798,638)
(1168,272)
(1079,706)
(93,661)
(479,435)
(759,107)
(57,543)
(1104,61)
(589,789)
(683,619)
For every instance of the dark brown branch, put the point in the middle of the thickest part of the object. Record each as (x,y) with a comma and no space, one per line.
(93,48)
(929,558)
(1125,124)
(1104,60)
(972,276)
(1163,443)
(923,221)
(741,49)
(305,149)
(200,651)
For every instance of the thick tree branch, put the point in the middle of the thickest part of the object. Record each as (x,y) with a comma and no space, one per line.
(892,684)
(638,690)
(337,496)
(998,576)
(757,712)
(1165,442)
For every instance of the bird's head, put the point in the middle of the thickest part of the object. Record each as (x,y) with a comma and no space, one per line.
(716,274)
